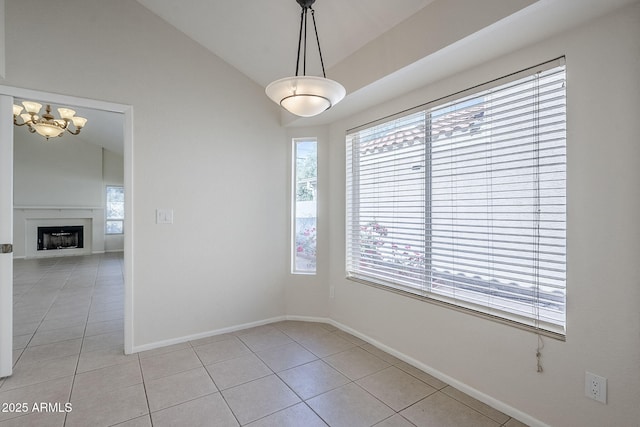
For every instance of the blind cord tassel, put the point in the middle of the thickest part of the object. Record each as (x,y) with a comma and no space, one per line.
(539,356)
(539,353)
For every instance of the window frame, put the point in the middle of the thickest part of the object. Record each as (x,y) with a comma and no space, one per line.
(309,235)
(107,218)
(523,322)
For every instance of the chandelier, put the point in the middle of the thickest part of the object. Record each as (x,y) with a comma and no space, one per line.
(47,125)
(306,96)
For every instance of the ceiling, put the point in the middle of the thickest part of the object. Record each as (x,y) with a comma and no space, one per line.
(259,38)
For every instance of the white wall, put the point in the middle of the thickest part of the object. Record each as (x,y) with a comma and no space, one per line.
(603,319)
(63,172)
(307,294)
(206,144)
(59,182)
(112,168)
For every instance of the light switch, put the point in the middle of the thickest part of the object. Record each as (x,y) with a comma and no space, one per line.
(164,216)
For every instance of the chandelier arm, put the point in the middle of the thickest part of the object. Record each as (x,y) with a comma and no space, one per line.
(72,132)
(15,122)
(299,41)
(313,16)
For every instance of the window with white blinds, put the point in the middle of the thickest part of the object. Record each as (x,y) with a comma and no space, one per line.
(463,200)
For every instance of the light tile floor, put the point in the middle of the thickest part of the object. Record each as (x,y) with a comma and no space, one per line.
(68,327)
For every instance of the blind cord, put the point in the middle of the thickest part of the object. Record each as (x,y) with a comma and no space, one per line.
(537,212)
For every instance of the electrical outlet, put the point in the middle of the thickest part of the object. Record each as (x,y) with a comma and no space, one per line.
(332,291)
(595,387)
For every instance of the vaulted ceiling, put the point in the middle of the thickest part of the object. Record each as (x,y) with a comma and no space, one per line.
(378,49)
(260,38)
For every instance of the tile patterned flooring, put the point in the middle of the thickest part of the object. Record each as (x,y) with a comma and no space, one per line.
(68,348)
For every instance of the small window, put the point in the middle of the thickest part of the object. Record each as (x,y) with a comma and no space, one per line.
(305,188)
(114,223)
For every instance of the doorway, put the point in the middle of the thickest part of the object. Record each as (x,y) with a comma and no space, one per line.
(8,96)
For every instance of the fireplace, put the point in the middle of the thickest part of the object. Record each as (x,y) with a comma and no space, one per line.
(60,237)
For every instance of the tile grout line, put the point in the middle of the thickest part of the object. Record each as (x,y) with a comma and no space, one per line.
(332,389)
(75,373)
(146,395)
(42,276)
(302,400)
(224,399)
(57,293)
(360,346)
(279,378)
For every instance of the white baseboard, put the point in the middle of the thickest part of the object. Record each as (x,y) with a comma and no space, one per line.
(309,319)
(179,340)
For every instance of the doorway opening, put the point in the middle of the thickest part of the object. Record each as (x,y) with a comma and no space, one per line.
(123,124)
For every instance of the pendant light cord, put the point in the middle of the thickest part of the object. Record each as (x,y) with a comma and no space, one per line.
(303,23)
(304,55)
(313,16)
(300,39)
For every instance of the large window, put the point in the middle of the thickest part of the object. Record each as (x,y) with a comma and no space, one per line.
(463,201)
(305,189)
(114,223)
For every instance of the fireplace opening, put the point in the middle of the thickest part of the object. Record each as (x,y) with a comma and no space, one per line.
(64,237)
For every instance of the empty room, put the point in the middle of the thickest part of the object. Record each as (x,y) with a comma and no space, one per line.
(387,213)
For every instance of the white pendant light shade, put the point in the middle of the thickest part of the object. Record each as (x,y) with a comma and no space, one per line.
(302,95)
(305,96)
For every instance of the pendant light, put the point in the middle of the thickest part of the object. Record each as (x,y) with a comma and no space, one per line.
(306,96)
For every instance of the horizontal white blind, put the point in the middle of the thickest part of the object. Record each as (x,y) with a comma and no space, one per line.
(465,202)
(387,202)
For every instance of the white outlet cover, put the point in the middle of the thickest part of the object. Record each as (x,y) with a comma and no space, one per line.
(595,387)
(164,216)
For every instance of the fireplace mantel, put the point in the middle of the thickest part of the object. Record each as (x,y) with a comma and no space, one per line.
(27,219)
